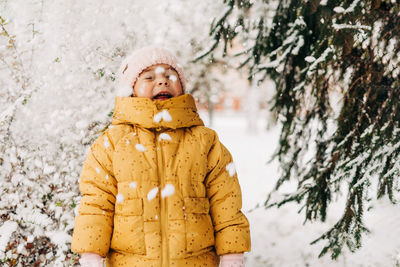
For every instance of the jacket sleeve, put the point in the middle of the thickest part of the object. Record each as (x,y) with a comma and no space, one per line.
(231,227)
(94,221)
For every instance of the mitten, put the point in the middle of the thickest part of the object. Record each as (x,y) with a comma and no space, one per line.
(232,260)
(91,260)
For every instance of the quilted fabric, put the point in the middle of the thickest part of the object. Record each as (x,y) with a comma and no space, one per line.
(159,189)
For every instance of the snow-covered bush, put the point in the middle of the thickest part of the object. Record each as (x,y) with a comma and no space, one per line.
(57,83)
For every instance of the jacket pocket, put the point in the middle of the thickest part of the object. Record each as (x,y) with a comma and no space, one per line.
(128,233)
(199,227)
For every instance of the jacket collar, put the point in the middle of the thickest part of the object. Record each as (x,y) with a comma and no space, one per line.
(173,113)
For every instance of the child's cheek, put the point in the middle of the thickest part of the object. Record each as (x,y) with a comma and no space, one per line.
(142,89)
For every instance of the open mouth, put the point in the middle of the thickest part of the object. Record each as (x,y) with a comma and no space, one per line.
(162,96)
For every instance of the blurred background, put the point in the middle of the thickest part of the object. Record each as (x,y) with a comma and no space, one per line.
(58,61)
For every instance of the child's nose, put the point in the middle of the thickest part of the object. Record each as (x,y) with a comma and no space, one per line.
(163,82)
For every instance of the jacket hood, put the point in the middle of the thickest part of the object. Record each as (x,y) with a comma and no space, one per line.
(173,113)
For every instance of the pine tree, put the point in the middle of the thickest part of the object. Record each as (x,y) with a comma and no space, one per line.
(336,69)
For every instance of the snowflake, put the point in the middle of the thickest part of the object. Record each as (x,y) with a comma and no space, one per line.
(97,170)
(164,114)
(132,185)
(140,147)
(106,143)
(231,169)
(120,198)
(159,70)
(168,190)
(164,136)
(173,78)
(152,193)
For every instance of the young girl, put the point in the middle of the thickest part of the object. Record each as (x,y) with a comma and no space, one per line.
(158,187)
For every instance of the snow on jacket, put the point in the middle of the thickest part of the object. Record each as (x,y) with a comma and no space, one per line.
(159,189)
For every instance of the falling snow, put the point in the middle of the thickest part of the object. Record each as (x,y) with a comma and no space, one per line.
(173,78)
(106,176)
(140,147)
(120,198)
(132,185)
(159,70)
(231,169)
(97,170)
(152,193)
(164,114)
(106,143)
(69,115)
(164,136)
(168,190)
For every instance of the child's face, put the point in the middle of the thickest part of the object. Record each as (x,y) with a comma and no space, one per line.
(159,81)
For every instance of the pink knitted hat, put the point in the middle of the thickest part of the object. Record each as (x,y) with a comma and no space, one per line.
(139,60)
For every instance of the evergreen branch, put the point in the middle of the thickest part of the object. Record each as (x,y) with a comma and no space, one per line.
(366,138)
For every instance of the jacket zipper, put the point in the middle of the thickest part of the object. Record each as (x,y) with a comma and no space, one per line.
(164,240)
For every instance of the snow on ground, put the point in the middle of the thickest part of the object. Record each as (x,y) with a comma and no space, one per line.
(279,237)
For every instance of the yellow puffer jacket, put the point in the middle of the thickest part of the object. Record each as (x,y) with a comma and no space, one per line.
(159,189)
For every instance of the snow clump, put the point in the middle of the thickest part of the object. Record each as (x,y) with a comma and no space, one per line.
(168,190)
(164,136)
(231,169)
(6,231)
(164,114)
(120,198)
(159,70)
(173,78)
(152,193)
(106,143)
(140,147)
